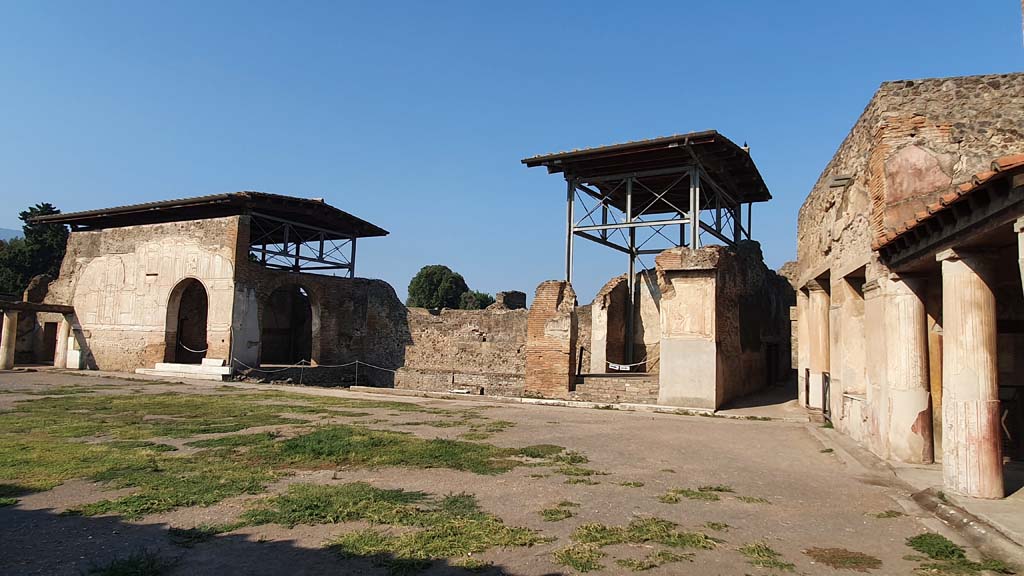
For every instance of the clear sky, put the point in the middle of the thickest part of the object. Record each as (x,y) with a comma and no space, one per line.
(415,115)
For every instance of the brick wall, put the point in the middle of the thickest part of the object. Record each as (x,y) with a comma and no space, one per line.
(551,341)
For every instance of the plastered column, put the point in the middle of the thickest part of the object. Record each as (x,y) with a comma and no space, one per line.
(60,358)
(8,339)
(972,462)
(876,353)
(803,345)
(910,416)
(818,337)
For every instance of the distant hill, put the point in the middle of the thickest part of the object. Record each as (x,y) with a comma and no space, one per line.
(7,233)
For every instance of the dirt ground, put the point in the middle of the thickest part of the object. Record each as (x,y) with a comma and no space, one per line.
(775,483)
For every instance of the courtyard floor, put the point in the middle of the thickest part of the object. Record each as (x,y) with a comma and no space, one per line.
(99,473)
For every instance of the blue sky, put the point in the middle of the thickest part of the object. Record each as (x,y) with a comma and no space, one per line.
(415,115)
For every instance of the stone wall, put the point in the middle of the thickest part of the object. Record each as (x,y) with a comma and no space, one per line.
(608,325)
(614,389)
(481,350)
(915,140)
(724,323)
(120,281)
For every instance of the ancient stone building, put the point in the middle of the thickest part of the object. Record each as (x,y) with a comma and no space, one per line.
(205,285)
(910,303)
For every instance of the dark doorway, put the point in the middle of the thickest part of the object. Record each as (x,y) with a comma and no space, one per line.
(49,342)
(186,318)
(286,334)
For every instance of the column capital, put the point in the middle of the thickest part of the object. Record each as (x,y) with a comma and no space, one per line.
(954,254)
(1018,225)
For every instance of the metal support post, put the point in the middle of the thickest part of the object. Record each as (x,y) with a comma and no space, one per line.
(695,208)
(570,200)
(631,279)
(352,260)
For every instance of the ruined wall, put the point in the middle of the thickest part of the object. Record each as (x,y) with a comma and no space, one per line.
(647,322)
(608,325)
(551,341)
(724,324)
(584,332)
(480,350)
(616,388)
(120,280)
(915,140)
(353,318)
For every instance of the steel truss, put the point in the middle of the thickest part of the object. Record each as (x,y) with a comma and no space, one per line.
(282,244)
(710,212)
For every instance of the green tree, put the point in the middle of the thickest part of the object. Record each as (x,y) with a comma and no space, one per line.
(474,300)
(436,286)
(39,252)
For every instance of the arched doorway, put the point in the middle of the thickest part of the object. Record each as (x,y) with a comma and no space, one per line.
(187,309)
(286,330)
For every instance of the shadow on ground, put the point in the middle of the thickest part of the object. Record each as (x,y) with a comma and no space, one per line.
(47,542)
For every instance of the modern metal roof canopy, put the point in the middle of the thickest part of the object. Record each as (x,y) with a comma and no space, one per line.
(697,181)
(286,233)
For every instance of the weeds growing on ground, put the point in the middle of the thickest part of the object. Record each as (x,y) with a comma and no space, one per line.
(843,559)
(632,484)
(947,558)
(761,555)
(753,500)
(888,514)
(580,557)
(717,526)
(653,560)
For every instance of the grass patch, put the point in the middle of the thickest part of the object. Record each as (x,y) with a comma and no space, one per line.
(947,558)
(585,481)
(640,531)
(826,450)
(7,501)
(234,441)
(654,560)
(541,451)
(843,559)
(632,484)
(555,514)
(140,445)
(342,445)
(141,563)
(580,557)
(716,488)
(675,495)
(318,504)
(888,514)
(449,527)
(475,436)
(717,526)
(761,555)
(753,500)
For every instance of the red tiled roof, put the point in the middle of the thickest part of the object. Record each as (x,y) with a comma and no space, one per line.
(999,167)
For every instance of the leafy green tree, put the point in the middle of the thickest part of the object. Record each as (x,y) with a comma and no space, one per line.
(474,300)
(436,286)
(39,252)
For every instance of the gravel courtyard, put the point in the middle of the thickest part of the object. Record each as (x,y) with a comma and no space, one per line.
(99,473)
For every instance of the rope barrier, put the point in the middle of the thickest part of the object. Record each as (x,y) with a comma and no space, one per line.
(307,364)
(193,351)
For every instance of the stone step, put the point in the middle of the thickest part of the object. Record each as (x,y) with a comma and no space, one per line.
(213,362)
(174,374)
(194,368)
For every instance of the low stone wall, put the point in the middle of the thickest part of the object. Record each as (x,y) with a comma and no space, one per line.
(493,384)
(311,376)
(616,389)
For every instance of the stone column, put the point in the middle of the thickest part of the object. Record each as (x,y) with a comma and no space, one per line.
(972,462)
(60,358)
(906,329)
(818,328)
(9,339)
